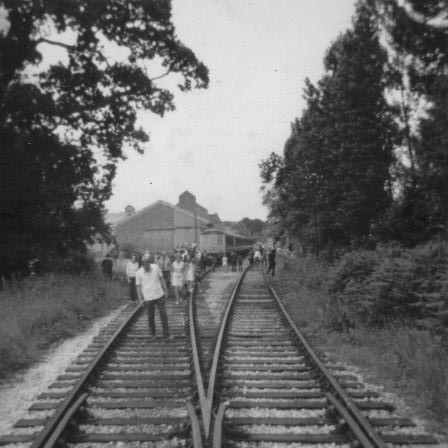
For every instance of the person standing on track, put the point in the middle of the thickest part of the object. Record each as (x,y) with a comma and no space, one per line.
(224,262)
(240,262)
(131,270)
(233,258)
(166,269)
(152,291)
(189,275)
(271,261)
(177,277)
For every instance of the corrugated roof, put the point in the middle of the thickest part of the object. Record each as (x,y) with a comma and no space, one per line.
(167,204)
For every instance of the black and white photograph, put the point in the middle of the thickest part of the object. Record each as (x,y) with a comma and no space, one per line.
(224,223)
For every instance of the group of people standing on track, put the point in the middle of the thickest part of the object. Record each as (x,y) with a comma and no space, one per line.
(150,277)
(263,257)
(234,260)
(179,271)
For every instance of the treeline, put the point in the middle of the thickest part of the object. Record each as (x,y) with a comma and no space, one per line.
(367,160)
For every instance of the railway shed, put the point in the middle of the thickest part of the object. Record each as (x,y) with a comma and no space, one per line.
(164,226)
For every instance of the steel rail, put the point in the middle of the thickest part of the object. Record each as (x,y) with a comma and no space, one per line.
(195,426)
(348,419)
(55,421)
(206,396)
(340,393)
(195,352)
(218,426)
(63,423)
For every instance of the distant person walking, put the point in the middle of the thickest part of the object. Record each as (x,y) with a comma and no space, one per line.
(251,259)
(271,261)
(177,277)
(131,270)
(233,261)
(240,262)
(224,262)
(107,266)
(257,257)
(152,291)
(189,275)
(166,270)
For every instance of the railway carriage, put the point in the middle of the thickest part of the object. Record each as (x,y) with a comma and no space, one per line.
(217,241)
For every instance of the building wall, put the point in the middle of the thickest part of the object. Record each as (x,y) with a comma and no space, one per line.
(151,229)
(184,236)
(158,240)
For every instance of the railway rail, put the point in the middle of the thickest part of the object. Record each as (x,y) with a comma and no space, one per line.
(266,385)
(124,388)
(238,373)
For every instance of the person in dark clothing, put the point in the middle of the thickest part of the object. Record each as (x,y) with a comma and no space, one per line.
(251,259)
(271,261)
(107,266)
(233,260)
(240,262)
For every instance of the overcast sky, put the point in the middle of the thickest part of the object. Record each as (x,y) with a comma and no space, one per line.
(258,52)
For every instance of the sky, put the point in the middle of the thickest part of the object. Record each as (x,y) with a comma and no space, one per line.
(259,53)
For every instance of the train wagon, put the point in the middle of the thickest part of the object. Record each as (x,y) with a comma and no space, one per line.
(218,241)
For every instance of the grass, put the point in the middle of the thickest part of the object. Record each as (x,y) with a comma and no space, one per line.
(409,362)
(40,311)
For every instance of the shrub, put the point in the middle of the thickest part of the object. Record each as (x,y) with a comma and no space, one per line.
(389,283)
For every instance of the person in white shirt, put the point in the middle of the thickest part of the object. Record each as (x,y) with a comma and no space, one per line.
(152,291)
(177,277)
(131,270)
(224,262)
(189,275)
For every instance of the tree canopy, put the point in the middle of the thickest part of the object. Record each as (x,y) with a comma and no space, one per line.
(64,124)
(363,163)
(334,182)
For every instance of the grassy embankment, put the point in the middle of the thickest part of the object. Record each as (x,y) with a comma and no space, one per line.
(409,361)
(40,311)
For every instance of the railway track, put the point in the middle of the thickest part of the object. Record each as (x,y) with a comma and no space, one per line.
(267,385)
(123,389)
(238,373)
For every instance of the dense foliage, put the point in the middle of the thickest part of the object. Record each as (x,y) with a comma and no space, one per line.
(380,286)
(363,164)
(64,124)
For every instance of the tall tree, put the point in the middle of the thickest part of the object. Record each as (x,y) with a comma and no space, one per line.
(362,132)
(417,33)
(335,182)
(64,127)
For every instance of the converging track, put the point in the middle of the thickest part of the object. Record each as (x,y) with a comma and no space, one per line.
(238,373)
(270,386)
(123,388)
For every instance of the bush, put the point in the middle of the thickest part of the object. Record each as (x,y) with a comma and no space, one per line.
(375,287)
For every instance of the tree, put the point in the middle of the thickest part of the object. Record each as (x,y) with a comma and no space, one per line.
(335,182)
(63,128)
(418,36)
(362,132)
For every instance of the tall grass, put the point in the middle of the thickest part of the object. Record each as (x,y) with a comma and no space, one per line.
(39,311)
(412,361)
